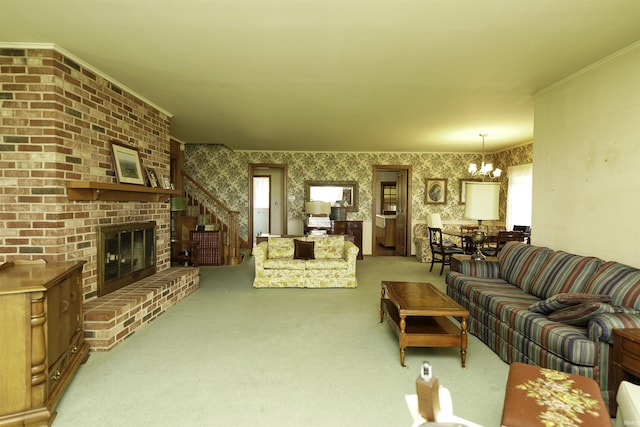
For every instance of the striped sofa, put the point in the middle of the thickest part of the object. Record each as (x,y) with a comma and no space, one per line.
(549,308)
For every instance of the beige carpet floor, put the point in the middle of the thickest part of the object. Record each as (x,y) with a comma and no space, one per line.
(231,355)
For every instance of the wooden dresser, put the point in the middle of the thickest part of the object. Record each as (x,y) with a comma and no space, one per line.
(41,337)
(353,228)
(625,363)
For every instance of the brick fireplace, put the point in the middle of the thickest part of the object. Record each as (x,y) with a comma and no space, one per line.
(59,118)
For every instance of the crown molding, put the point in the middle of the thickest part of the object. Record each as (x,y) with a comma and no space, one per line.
(62,51)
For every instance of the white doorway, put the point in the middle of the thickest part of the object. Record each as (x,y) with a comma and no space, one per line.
(267,200)
(261,204)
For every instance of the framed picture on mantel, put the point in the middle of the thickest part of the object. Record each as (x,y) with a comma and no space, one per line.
(127,164)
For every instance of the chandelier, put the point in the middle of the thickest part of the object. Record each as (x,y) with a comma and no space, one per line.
(486,169)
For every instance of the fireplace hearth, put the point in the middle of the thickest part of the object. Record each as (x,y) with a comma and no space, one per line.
(126,254)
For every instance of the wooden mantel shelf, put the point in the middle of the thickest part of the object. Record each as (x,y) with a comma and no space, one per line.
(87,191)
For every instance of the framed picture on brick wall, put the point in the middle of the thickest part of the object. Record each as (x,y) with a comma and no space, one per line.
(127,163)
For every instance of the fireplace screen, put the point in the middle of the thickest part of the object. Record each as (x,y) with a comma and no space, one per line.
(126,254)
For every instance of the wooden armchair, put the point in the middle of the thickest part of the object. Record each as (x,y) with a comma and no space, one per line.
(439,252)
(467,244)
(502,239)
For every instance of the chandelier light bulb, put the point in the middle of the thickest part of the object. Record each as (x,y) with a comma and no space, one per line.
(486,169)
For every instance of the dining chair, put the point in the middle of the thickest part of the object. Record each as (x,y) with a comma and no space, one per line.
(525,230)
(501,240)
(441,253)
(467,244)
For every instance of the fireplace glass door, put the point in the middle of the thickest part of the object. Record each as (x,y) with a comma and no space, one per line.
(128,254)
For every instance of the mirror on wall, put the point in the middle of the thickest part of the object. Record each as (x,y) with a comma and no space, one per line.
(334,192)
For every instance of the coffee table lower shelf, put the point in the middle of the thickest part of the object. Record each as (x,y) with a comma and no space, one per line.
(424,331)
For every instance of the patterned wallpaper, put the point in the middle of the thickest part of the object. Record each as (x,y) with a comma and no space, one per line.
(225,173)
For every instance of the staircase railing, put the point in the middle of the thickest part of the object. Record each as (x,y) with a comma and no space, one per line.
(209,210)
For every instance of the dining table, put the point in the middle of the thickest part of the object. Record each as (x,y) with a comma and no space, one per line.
(465,236)
(491,237)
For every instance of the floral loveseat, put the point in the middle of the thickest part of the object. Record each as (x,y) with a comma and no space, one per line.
(305,262)
(549,308)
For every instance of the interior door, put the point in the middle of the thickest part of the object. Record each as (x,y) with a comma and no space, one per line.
(401,213)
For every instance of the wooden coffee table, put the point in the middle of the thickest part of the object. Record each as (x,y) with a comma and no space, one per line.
(418,313)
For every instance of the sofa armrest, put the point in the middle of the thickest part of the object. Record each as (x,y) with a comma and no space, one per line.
(488,269)
(260,255)
(350,254)
(350,250)
(601,326)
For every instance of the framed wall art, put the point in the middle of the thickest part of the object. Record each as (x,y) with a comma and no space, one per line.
(166,182)
(127,164)
(436,191)
(463,189)
(152,177)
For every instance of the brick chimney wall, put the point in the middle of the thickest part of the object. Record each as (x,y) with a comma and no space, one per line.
(57,121)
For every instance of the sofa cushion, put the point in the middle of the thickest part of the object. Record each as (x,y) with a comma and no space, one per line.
(564,300)
(563,272)
(520,262)
(303,250)
(510,306)
(328,246)
(580,314)
(479,268)
(284,264)
(280,247)
(620,281)
(568,342)
(494,295)
(326,264)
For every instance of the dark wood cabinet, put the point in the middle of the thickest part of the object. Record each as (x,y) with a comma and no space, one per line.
(353,228)
(41,337)
(210,250)
(625,364)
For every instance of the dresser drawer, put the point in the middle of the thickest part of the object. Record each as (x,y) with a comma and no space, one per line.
(355,225)
(340,227)
(631,357)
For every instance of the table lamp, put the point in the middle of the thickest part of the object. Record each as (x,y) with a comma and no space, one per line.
(481,204)
(316,208)
(434,221)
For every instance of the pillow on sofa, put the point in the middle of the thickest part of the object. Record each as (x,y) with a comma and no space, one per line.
(279,247)
(303,250)
(564,300)
(579,315)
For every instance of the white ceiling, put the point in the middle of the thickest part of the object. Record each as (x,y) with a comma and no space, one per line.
(336,75)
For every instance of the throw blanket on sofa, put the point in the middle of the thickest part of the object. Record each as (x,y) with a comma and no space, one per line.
(549,308)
